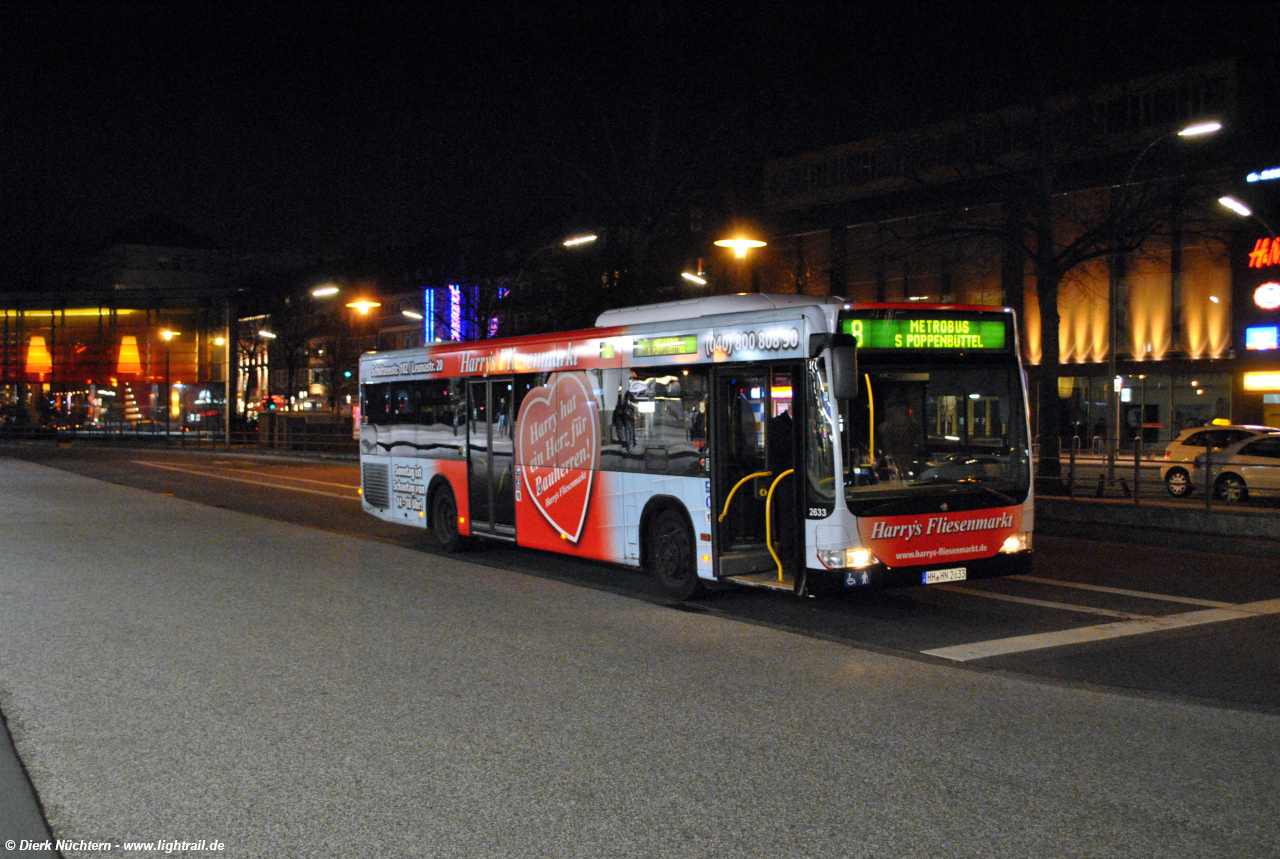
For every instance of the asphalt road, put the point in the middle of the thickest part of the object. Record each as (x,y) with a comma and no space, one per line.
(1080,582)
(1187,713)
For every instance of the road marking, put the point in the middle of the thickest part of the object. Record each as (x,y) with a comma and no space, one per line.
(346,497)
(1104,631)
(1124,593)
(352,486)
(1062,606)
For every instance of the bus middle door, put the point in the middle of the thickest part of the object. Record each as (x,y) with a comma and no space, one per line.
(491,457)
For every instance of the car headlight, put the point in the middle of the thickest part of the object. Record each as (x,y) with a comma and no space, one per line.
(1019,542)
(853,559)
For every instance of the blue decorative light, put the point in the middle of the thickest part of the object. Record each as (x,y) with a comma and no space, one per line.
(429,314)
(1261,337)
(455,312)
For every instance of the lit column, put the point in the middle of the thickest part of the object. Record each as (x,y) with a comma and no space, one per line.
(168,387)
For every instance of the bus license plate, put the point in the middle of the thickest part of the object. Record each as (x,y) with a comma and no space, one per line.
(951,574)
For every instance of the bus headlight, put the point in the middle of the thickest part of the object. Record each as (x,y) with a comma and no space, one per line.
(852,559)
(1019,542)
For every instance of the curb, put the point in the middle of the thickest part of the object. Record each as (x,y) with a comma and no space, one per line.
(1219,522)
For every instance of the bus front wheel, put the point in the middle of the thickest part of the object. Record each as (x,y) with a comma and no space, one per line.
(671,555)
(444,521)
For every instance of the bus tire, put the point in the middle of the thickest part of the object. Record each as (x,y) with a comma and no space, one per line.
(444,520)
(671,555)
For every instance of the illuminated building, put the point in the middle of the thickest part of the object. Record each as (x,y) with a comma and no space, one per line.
(924,215)
(89,349)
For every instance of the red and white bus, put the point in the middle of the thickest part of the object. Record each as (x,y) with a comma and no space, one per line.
(792,442)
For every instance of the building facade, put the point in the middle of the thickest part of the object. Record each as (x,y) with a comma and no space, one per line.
(134,334)
(1156,293)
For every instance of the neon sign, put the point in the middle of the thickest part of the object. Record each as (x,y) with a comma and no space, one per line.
(1265,253)
(1264,175)
(455,312)
(1262,337)
(1262,381)
(1267,296)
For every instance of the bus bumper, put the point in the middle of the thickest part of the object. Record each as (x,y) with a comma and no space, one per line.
(880,576)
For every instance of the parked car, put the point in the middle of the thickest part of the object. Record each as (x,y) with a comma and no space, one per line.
(1249,466)
(1181,453)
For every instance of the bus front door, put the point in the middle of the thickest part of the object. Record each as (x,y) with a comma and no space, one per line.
(756,440)
(491,458)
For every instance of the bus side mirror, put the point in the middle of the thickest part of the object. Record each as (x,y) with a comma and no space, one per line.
(844,361)
(844,371)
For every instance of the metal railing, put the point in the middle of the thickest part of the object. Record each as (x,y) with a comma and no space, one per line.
(1137,474)
(281,436)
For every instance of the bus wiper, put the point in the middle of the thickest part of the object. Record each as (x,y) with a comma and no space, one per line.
(973,481)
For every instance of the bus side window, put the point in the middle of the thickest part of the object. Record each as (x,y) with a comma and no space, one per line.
(375,404)
(441,418)
(403,403)
(655,422)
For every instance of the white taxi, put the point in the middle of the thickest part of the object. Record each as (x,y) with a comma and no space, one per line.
(1180,455)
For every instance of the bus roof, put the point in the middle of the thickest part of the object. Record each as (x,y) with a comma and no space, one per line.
(712,305)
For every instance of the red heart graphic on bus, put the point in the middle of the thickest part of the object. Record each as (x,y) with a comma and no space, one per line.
(558,449)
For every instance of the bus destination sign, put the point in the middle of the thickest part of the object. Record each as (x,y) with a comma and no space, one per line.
(924,332)
(653,347)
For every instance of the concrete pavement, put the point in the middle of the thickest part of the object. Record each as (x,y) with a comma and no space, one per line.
(173,671)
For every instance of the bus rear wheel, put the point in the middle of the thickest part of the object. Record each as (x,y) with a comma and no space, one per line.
(444,521)
(671,555)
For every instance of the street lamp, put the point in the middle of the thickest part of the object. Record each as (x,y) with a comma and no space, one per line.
(168,336)
(1244,211)
(1199,129)
(740,245)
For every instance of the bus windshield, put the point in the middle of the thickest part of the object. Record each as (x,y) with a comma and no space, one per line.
(917,427)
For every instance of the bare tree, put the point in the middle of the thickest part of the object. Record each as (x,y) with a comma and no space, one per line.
(1056,191)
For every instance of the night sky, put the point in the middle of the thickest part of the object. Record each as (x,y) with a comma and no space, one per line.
(324,128)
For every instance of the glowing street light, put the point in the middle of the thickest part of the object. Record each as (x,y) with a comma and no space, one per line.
(267,334)
(740,245)
(1200,128)
(1236,206)
(324,290)
(411,314)
(364,305)
(693,278)
(575,241)
(1244,211)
